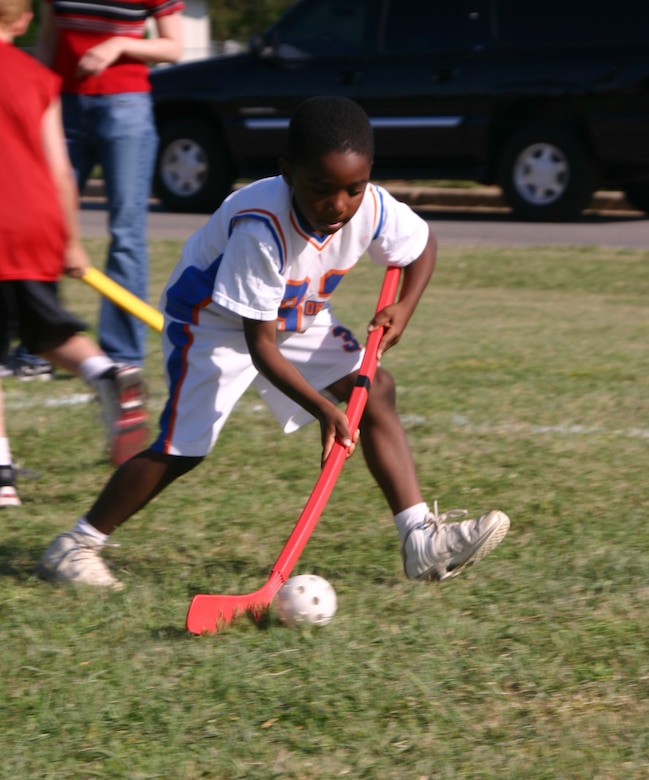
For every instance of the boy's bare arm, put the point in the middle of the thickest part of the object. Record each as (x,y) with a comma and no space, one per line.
(395,317)
(269,361)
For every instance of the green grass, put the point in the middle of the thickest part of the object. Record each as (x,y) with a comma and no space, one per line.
(523,383)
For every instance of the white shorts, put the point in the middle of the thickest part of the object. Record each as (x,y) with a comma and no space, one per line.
(208,368)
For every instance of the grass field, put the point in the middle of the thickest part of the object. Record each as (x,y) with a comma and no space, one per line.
(523,382)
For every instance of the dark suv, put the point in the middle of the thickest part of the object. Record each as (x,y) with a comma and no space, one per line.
(549,100)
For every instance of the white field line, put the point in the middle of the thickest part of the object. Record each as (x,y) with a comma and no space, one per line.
(528,429)
(15,403)
(562,429)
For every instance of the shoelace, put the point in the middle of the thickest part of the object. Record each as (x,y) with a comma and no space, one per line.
(435,518)
(80,545)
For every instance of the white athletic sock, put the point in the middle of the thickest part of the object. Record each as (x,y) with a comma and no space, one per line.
(5,452)
(92,368)
(84,527)
(410,518)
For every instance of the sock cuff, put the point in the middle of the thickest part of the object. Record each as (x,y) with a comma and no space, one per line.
(5,452)
(84,527)
(417,512)
(92,368)
(410,518)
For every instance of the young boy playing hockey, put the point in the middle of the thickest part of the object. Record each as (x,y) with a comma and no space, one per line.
(39,241)
(248,303)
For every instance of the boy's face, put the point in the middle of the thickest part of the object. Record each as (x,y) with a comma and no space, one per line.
(328,191)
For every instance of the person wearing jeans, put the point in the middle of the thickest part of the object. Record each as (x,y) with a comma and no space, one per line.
(119,132)
(102,56)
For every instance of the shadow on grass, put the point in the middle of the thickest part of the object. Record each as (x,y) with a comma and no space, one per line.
(175,632)
(19,563)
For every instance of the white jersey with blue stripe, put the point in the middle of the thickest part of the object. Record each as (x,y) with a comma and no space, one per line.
(256,257)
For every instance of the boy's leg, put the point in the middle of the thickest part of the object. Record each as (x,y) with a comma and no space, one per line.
(134,485)
(384,443)
(199,403)
(74,556)
(51,331)
(431,548)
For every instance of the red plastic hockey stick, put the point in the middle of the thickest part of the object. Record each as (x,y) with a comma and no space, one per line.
(211,613)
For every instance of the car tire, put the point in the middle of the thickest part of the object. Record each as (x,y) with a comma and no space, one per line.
(638,195)
(192,173)
(546,174)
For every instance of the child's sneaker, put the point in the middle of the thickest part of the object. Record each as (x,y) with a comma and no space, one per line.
(74,557)
(8,495)
(122,395)
(27,366)
(436,550)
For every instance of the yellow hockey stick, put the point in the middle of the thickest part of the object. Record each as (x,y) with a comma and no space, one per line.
(123,298)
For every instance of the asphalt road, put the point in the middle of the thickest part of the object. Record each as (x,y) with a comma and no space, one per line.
(499,229)
(484,225)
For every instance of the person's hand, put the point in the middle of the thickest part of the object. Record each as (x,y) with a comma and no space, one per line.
(96,59)
(75,259)
(394,320)
(334,426)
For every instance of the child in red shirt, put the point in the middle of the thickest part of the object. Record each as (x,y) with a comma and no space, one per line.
(39,241)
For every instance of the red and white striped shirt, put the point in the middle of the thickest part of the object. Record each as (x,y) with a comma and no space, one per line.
(82,24)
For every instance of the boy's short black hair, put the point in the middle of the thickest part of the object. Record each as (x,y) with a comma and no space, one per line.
(325,124)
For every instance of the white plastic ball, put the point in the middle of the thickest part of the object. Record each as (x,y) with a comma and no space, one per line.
(306,600)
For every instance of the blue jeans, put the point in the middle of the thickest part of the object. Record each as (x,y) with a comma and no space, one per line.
(118,132)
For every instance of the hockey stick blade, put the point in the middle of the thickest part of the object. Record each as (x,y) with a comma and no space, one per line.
(121,297)
(210,613)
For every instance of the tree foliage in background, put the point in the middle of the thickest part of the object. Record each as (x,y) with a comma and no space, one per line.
(28,40)
(237,20)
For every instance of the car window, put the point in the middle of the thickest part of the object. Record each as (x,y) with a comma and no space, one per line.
(412,27)
(328,28)
(598,22)
(570,22)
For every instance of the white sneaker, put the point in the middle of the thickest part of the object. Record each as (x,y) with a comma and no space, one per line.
(8,494)
(436,550)
(122,395)
(74,557)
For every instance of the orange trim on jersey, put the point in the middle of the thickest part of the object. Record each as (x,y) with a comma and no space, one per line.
(323,280)
(291,303)
(196,311)
(310,237)
(375,200)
